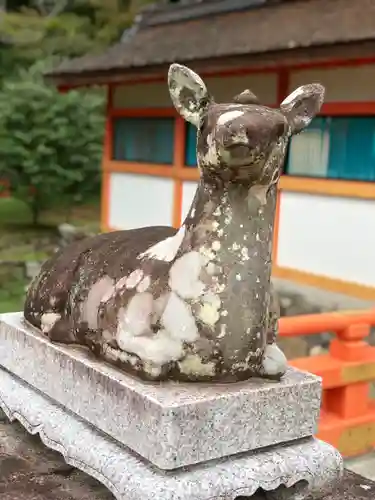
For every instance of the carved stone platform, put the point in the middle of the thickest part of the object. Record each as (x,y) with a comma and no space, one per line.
(246,439)
(171,425)
(308,468)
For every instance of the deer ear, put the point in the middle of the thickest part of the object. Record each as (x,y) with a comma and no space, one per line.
(188,93)
(301,106)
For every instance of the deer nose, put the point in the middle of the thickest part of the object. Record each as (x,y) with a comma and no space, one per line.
(235,139)
(239,151)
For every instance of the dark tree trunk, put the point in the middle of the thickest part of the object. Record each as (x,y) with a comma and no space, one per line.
(35,210)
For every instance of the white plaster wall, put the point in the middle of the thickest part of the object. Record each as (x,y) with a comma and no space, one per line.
(354,83)
(153,95)
(328,236)
(139,200)
(188,191)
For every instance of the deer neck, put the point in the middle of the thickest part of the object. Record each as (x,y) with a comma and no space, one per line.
(231,228)
(233,225)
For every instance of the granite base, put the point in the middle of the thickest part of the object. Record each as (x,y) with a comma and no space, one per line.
(171,425)
(306,468)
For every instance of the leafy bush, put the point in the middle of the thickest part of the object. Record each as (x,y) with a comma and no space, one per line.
(50,143)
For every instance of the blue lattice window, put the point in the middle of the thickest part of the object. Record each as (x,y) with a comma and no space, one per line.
(144,140)
(335,148)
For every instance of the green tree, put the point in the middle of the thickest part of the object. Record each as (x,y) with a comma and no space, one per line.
(66,28)
(50,143)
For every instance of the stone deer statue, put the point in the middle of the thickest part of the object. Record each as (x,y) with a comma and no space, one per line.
(194,304)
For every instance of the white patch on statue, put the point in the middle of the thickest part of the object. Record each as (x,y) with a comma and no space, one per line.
(274,361)
(365,487)
(167,249)
(102,288)
(291,98)
(136,318)
(192,365)
(152,369)
(144,284)
(211,157)
(184,275)
(178,320)
(209,312)
(116,355)
(216,245)
(158,349)
(223,331)
(52,301)
(48,321)
(229,116)
(134,334)
(133,279)
(245,254)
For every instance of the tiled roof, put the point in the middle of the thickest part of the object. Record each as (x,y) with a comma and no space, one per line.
(274,26)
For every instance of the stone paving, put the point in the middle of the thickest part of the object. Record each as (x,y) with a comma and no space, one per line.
(30,471)
(364,465)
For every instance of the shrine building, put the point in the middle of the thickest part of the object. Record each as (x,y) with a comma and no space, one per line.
(325,222)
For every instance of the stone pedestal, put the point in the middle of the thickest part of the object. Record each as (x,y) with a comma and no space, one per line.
(166,441)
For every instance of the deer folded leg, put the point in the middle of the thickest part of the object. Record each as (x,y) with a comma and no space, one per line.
(62,333)
(274,362)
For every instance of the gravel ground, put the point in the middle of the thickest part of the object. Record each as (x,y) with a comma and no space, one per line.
(30,471)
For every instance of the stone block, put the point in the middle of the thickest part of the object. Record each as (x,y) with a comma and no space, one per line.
(169,424)
(305,469)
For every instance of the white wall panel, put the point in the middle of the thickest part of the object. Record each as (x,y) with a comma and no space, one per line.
(328,235)
(139,200)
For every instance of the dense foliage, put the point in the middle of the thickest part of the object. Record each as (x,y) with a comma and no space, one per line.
(45,29)
(50,143)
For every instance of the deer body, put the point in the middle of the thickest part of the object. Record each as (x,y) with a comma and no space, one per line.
(194,304)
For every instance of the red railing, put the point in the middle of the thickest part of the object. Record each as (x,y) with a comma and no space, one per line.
(347,418)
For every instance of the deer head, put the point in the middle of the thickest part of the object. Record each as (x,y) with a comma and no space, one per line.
(242,141)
